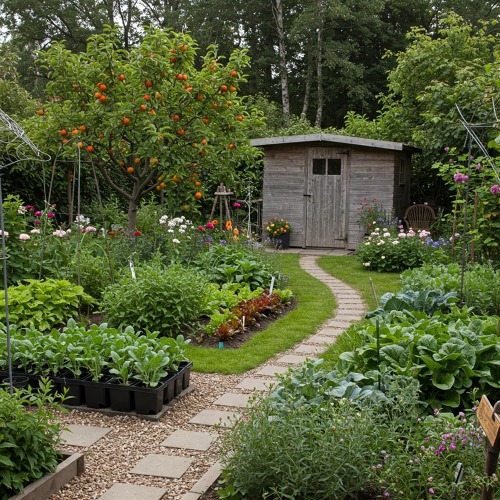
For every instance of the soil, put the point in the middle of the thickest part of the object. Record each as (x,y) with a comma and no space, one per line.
(239,340)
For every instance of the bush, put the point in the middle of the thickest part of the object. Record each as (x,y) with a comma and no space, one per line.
(28,439)
(481,290)
(165,299)
(42,305)
(320,436)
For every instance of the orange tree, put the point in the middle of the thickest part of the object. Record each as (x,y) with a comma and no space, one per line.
(152,118)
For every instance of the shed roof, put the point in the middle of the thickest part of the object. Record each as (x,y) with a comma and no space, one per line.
(331,138)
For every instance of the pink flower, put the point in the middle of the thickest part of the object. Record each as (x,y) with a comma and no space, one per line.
(210,225)
(460,178)
(50,215)
(137,233)
(446,149)
(38,213)
(201,228)
(495,189)
(24,237)
(236,205)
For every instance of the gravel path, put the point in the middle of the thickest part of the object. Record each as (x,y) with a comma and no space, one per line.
(111,459)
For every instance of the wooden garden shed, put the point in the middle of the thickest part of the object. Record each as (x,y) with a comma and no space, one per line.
(317,183)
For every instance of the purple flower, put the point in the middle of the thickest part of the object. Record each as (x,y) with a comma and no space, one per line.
(460,178)
(38,213)
(431,491)
(50,215)
(495,189)
(446,149)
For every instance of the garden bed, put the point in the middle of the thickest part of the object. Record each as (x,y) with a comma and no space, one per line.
(71,466)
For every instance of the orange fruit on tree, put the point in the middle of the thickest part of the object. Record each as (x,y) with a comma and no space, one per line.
(147,97)
(102,87)
(205,121)
(125,121)
(153,161)
(197,183)
(232,88)
(184,208)
(137,161)
(121,77)
(183,47)
(230,145)
(143,107)
(234,73)
(148,83)
(121,163)
(90,148)
(176,178)
(76,86)
(179,76)
(83,128)
(203,141)
(65,141)
(97,95)
(229,103)
(74,131)
(158,187)
(158,95)
(103,99)
(101,136)
(223,88)
(199,97)
(239,118)
(130,170)
(175,118)
(173,59)
(215,105)
(63,132)
(163,185)
(80,145)
(198,195)
(181,131)
(152,112)
(40,112)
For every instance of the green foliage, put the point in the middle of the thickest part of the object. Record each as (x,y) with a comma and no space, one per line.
(447,353)
(28,439)
(167,299)
(237,264)
(481,290)
(128,354)
(385,251)
(320,435)
(43,304)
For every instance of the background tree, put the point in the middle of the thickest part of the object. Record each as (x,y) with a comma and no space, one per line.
(147,118)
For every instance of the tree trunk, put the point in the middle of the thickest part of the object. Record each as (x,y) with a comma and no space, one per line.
(319,67)
(132,216)
(307,91)
(277,7)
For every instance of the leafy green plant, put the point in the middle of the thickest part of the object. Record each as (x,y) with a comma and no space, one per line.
(481,291)
(149,365)
(168,300)
(447,353)
(43,304)
(28,439)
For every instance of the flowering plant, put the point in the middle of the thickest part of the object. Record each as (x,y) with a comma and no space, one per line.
(371,213)
(275,227)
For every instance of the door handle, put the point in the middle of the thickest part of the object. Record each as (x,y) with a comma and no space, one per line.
(308,195)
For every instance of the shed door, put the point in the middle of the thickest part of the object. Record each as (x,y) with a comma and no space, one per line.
(326,198)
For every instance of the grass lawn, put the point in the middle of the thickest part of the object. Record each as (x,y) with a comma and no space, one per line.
(315,304)
(350,271)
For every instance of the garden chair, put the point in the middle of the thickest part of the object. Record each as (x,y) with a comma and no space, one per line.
(419,217)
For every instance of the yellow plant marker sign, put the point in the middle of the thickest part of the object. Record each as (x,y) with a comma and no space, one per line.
(490,422)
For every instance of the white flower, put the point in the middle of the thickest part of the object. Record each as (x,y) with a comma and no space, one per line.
(81,220)
(367,244)
(387,235)
(171,223)
(381,242)
(163,219)
(68,231)
(366,264)
(377,229)
(175,240)
(5,233)
(24,237)
(170,231)
(90,229)
(21,210)
(402,235)
(374,235)
(395,242)
(182,230)
(35,231)
(59,233)
(383,257)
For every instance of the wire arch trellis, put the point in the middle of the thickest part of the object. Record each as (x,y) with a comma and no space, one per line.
(18,147)
(473,138)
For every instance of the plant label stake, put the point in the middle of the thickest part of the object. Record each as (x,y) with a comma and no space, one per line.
(132,269)
(221,345)
(243,323)
(458,477)
(489,419)
(272,286)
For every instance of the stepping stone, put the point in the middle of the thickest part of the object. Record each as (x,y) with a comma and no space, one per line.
(350,312)
(313,349)
(162,466)
(190,496)
(83,435)
(272,370)
(189,440)
(232,399)
(339,324)
(123,491)
(208,478)
(330,331)
(256,384)
(349,317)
(214,417)
(319,338)
(292,359)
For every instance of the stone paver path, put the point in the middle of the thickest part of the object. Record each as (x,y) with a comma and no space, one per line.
(350,308)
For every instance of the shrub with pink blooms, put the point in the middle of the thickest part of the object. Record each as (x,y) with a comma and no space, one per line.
(384,250)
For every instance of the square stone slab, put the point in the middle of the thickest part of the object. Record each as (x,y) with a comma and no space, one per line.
(214,417)
(208,478)
(83,435)
(190,496)
(342,324)
(232,399)
(292,359)
(122,491)
(189,440)
(162,466)
(256,384)
(319,339)
(272,370)
(313,349)
(331,331)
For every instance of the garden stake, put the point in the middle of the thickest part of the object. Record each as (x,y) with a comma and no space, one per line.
(458,477)
(373,291)
(378,353)
(272,286)
(221,345)
(489,419)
